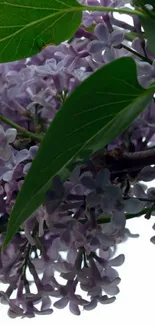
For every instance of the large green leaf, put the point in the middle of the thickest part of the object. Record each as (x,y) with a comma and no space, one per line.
(148,23)
(28,25)
(95,113)
(149,28)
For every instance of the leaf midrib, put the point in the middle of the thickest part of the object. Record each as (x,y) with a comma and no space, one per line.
(44,187)
(58,13)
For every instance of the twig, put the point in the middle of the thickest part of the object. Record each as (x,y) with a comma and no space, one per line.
(107,219)
(129,49)
(21,129)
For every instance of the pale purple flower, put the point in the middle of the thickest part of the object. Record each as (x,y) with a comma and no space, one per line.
(106,42)
(6,137)
(13,165)
(146,73)
(30,156)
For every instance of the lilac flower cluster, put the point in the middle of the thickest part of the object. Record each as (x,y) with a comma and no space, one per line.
(77,229)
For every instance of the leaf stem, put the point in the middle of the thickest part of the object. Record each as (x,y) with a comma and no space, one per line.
(109,9)
(21,129)
(106,219)
(136,53)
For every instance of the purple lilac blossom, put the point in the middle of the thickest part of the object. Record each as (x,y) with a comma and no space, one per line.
(106,42)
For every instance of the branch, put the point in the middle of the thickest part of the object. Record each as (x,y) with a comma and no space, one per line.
(121,163)
(21,129)
(107,219)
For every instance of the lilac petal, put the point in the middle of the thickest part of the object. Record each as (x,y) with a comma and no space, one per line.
(63,267)
(5,153)
(144,69)
(133,205)
(111,291)
(116,37)
(66,238)
(96,46)
(44,312)
(92,305)
(72,255)
(139,190)
(105,239)
(68,276)
(95,291)
(93,199)
(111,273)
(115,282)
(7,177)
(12,313)
(130,235)
(109,55)
(21,156)
(46,303)
(74,309)
(105,300)
(106,3)
(151,193)
(106,254)
(144,81)
(152,240)
(118,219)
(62,303)
(101,32)
(74,177)
(3,170)
(84,274)
(32,297)
(107,205)
(85,287)
(11,135)
(153,65)
(29,236)
(147,174)
(26,168)
(77,299)
(103,178)
(32,151)
(117,261)
(79,238)
(107,283)
(1,132)
(15,308)
(88,181)
(39,264)
(94,243)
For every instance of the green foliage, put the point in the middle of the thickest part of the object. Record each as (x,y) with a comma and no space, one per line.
(93,115)
(149,28)
(26,26)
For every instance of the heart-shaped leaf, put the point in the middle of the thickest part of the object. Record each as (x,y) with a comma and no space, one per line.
(94,114)
(26,26)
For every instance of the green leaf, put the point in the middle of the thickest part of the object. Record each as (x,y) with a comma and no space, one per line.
(148,23)
(26,26)
(149,28)
(94,114)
